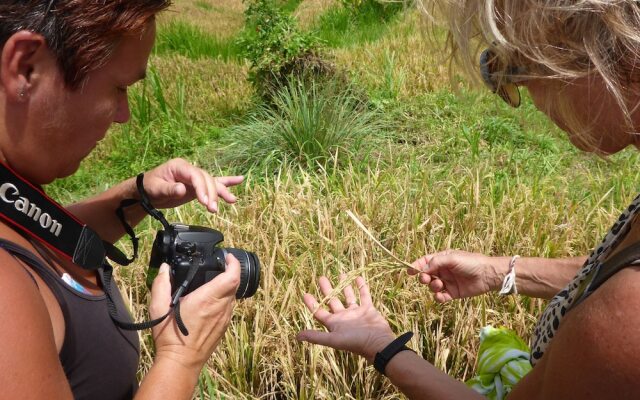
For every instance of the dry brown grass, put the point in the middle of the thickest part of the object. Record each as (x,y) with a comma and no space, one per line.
(214,87)
(423,69)
(300,229)
(308,11)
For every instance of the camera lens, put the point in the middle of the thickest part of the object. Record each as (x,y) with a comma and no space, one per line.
(249,272)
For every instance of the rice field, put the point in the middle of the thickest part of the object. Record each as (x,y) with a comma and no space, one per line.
(453,168)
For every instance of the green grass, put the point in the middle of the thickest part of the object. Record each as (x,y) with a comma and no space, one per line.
(179,37)
(340,27)
(290,6)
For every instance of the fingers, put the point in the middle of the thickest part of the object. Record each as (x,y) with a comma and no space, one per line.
(160,293)
(349,295)
(442,297)
(206,188)
(424,278)
(318,312)
(436,285)
(222,185)
(365,295)
(327,290)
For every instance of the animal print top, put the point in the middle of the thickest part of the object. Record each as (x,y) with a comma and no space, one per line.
(578,289)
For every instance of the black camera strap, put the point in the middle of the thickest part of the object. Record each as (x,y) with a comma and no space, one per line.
(107,272)
(27,208)
(106,276)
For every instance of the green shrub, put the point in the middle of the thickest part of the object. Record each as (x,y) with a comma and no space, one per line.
(276,49)
(311,125)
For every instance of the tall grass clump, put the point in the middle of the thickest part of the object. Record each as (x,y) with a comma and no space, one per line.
(309,124)
(183,38)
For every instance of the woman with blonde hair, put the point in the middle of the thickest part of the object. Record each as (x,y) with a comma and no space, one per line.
(577,60)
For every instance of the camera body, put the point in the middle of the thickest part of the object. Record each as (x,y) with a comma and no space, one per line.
(193,254)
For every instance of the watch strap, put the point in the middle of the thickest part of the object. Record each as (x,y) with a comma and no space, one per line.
(383,357)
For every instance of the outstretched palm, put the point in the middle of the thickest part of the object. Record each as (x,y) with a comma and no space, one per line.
(360,329)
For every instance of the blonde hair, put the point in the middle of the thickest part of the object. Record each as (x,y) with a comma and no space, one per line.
(556,39)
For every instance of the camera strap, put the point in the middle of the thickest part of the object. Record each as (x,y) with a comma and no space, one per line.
(107,271)
(106,276)
(27,208)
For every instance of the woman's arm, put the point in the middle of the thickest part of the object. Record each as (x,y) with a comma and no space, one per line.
(538,277)
(171,184)
(418,379)
(29,359)
(362,330)
(454,274)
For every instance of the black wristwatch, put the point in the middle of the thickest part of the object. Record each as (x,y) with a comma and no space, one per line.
(383,357)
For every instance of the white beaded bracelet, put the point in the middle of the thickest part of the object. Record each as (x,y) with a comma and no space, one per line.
(509,282)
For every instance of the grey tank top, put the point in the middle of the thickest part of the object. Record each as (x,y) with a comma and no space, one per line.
(99,359)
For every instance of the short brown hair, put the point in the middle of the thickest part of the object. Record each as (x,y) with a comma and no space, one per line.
(82,34)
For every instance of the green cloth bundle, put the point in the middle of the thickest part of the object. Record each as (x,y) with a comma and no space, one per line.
(503,360)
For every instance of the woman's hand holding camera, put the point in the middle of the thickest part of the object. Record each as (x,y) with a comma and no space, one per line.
(454,274)
(206,312)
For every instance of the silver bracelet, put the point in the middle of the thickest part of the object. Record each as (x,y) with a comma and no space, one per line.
(509,282)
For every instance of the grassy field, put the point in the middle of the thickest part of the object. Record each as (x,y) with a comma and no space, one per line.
(444,170)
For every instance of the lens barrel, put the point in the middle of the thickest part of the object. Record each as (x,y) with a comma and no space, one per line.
(249,272)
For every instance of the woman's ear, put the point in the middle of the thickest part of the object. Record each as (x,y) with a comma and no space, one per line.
(23,53)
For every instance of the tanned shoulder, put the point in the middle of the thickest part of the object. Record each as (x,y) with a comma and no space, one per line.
(595,351)
(28,354)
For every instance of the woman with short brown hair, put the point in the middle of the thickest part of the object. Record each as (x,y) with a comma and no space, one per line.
(65,67)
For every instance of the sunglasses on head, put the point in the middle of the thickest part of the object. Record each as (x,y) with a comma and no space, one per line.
(501,79)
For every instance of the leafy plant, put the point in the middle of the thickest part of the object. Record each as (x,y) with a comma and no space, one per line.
(276,49)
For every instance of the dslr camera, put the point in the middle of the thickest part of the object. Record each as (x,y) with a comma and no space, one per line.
(195,259)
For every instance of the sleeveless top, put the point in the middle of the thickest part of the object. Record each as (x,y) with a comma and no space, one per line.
(583,284)
(99,359)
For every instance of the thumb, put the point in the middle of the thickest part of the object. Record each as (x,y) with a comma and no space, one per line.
(160,293)
(440,262)
(225,284)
